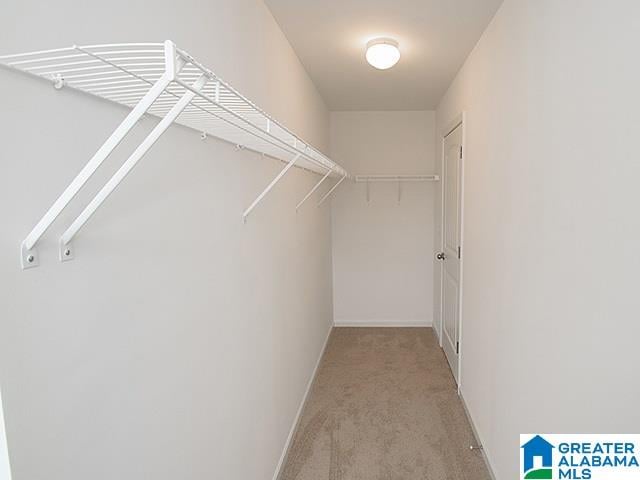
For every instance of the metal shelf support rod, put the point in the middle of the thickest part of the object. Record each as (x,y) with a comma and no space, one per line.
(126,167)
(29,256)
(270,186)
(313,189)
(326,195)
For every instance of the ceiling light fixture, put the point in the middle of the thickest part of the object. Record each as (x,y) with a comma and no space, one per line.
(382,53)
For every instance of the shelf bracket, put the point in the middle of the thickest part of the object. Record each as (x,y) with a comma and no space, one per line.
(269,187)
(313,189)
(66,250)
(28,252)
(326,195)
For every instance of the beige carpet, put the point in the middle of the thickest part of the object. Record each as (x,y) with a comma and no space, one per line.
(383,407)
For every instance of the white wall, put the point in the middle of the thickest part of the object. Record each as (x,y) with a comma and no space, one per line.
(552,231)
(5,468)
(382,251)
(179,341)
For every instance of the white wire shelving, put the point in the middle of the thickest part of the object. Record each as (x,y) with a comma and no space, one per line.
(162,80)
(399,179)
(396,178)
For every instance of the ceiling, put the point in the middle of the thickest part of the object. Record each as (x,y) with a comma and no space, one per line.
(435,36)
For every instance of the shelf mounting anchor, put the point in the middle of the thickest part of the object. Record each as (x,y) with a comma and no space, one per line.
(58,81)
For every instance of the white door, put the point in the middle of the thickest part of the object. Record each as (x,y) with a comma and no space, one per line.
(451,253)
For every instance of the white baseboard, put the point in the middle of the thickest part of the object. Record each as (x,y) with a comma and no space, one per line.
(382,323)
(477,436)
(296,420)
(436,330)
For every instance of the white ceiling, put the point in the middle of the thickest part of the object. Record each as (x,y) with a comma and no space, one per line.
(435,37)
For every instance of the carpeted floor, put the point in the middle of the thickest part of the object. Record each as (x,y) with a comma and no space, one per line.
(383,407)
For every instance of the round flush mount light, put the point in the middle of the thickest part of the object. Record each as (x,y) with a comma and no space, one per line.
(382,53)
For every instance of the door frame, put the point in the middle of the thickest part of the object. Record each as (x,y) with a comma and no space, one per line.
(458,121)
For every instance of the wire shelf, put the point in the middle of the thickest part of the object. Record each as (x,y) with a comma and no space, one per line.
(124,73)
(161,80)
(396,178)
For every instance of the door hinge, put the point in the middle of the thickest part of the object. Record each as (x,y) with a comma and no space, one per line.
(460,151)
(459,253)
(457,348)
